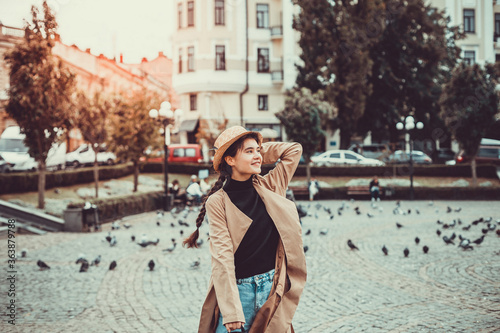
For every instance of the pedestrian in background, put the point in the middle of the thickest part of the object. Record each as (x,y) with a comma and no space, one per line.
(258,262)
(375,189)
(193,190)
(313,188)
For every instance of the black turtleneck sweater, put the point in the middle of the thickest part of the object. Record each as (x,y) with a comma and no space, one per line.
(257,250)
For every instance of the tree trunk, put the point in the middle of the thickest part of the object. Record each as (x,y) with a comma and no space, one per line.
(474,173)
(41,184)
(136,175)
(96,175)
(345,139)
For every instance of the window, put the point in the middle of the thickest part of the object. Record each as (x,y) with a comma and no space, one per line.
(469,22)
(192,102)
(190,152)
(191,59)
(219,12)
(179,15)
(470,57)
(220,57)
(350,157)
(262,16)
(190,13)
(180,60)
(497,25)
(263,103)
(179,152)
(263,60)
(335,155)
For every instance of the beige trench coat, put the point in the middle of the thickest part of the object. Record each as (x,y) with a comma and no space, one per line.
(228,225)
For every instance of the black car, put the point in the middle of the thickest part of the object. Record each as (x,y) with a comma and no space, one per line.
(441,156)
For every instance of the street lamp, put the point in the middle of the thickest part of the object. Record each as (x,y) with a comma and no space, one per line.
(408,125)
(166,116)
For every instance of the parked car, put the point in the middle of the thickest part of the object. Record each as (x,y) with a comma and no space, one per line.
(15,152)
(402,157)
(4,166)
(84,155)
(488,153)
(375,150)
(180,153)
(443,155)
(333,157)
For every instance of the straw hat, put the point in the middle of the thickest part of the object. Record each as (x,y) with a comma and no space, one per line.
(226,139)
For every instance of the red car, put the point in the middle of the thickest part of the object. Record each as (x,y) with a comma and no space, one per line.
(180,153)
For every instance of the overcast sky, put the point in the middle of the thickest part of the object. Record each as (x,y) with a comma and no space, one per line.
(136,28)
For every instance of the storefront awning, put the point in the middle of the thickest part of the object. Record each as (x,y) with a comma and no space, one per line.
(188,125)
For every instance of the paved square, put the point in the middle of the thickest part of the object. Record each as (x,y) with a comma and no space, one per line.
(446,290)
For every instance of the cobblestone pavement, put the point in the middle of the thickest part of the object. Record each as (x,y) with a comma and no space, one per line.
(446,290)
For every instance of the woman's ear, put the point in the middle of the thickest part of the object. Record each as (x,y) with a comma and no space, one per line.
(229,160)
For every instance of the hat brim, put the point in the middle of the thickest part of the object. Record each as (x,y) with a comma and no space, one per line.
(220,151)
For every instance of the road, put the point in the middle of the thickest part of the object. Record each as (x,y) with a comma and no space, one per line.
(446,290)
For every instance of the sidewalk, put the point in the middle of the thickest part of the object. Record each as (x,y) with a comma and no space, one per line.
(347,291)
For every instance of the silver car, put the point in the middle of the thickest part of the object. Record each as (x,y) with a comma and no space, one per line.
(336,157)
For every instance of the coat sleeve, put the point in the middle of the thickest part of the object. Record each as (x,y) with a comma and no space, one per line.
(288,154)
(223,271)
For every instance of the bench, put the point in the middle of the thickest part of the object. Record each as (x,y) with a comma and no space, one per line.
(300,191)
(365,190)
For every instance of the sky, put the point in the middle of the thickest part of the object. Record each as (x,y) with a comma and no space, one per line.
(135,28)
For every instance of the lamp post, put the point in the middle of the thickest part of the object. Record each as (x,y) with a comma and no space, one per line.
(407,126)
(166,116)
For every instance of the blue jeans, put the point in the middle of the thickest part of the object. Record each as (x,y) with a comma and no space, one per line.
(254,292)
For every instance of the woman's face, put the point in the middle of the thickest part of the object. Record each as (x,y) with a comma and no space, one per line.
(247,161)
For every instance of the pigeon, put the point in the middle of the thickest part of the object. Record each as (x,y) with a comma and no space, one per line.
(42,265)
(112,266)
(484,231)
(417,211)
(306,248)
(81,258)
(84,267)
(453,236)
(399,225)
(438,232)
(108,237)
(409,211)
(488,220)
(384,249)
(126,225)
(158,223)
(453,223)
(457,210)
(406,252)
(369,215)
(151,265)
(448,209)
(145,243)
(24,253)
(172,225)
(199,242)
(448,240)
(425,249)
(115,226)
(323,232)
(439,222)
(196,264)
(464,243)
(113,241)
(132,238)
(491,226)
(498,232)
(170,249)
(96,261)
(466,228)
(308,232)
(351,245)
(479,240)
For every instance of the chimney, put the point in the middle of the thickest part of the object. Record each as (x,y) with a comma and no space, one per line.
(87,50)
(121,58)
(144,59)
(160,54)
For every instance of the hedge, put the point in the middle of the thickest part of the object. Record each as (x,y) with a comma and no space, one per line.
(114,208)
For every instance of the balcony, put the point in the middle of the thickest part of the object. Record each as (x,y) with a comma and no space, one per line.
(277,76)
(277,32)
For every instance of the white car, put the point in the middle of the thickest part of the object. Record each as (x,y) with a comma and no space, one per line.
(333,157)
(84,155)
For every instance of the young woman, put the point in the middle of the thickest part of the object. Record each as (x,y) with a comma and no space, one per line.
(258,262)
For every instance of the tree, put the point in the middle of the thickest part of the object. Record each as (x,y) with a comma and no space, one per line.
(132,130)
(91,118)
(469,104)
(335,41)
(412,58)
(302,117)
(40,90)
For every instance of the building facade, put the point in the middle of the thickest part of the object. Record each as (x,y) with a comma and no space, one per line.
(233,61)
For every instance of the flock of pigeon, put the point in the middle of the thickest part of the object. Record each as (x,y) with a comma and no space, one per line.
(178,214)
(486,225)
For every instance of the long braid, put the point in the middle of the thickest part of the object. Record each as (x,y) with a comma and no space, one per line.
(191,240)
